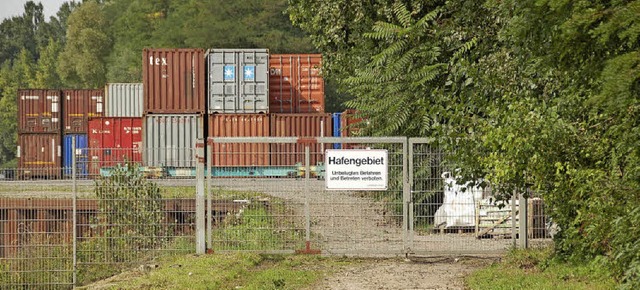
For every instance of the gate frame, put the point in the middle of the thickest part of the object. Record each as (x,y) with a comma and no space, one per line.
(406,194)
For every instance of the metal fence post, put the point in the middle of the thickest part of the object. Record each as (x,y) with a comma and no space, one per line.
(307,168)
(74,190)
(524,239)
(407,204)
(200,204)
(514,226)
(209,205)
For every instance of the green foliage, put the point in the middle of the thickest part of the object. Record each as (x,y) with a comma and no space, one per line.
(130,209)
(82,62)
(530,95)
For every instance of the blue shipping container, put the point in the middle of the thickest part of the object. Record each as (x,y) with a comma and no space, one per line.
(336,128)
(81,155)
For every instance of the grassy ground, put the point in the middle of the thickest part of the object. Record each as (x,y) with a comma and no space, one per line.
(535,269)
(225,271)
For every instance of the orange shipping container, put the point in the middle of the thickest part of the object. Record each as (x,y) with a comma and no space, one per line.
(295,83)
(299,125)
(239,125)
(173,81)
(78,107)
(39,155)
(39,111)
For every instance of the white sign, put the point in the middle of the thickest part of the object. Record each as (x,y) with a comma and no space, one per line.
(355,169)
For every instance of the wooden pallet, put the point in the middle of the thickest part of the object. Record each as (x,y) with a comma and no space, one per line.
(493,221)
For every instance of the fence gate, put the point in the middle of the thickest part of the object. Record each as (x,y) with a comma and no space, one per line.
(450,219)
(280,203)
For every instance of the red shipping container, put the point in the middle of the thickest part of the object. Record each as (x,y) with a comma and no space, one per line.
(295,83)
(39,155)
(299,125)
(239,125)
(173,81)
(114,141)
(78,107)
(39,111)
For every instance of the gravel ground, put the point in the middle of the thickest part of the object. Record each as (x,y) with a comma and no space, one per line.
(438,273)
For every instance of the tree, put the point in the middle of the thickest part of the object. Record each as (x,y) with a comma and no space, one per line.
(82,62)
(46,75)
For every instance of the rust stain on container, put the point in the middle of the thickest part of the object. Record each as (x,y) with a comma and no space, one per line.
(173,81)
(299,125)
(39,111)
(239,125)
(295,83)
(39,155)
(78,106)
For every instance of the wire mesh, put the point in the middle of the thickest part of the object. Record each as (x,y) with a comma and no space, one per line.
(36,234)
(285,206)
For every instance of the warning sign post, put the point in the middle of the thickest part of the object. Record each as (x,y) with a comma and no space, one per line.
(356,169)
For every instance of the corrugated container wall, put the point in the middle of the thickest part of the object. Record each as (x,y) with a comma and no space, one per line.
(124,100)
(39,155)
(114,141)
(350,124)
(295,83)
(39,111)
(78,106)
(170,140)
(299,125)
(80,154)
(173,81)
(335,119)
(239,125)
(238,80)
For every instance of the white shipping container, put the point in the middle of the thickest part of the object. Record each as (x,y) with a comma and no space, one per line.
(124,100)
(238,80)
(170,140)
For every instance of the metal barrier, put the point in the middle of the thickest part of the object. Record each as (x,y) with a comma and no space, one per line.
(248,194)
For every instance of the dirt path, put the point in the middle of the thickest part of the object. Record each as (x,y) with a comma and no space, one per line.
(447,273)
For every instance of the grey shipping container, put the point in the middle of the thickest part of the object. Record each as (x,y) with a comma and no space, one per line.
(170,140)
(238,80)
(124,100)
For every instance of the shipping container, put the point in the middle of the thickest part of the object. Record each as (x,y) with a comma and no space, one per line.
(78,106)
(39,111)
(173,81)
(335,119)
(238,80)
(170,140)
(80,152)
(114,141)
(299,125)
(39,155)
(124,100)
(295,83)
(239,125)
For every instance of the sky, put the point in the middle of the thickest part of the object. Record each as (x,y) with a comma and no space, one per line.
(9,8)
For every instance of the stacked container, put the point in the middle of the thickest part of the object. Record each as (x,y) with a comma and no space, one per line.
(238,83)
(299,125)
(296,101)
(238,80)
(113,141)
(77,107)
(39,133)
(295,83)
(116,138)
(174,104)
